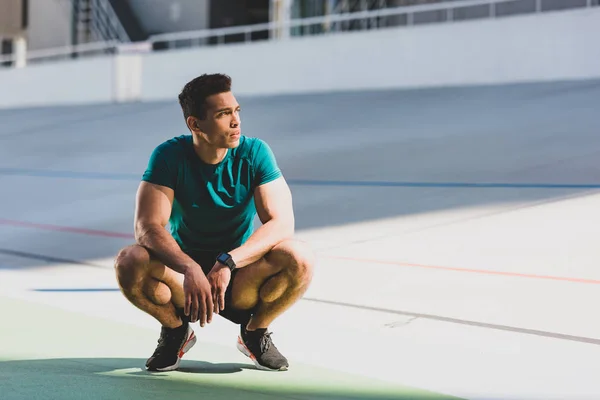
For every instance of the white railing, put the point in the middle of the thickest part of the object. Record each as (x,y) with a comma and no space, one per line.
(330,23)
(65,52)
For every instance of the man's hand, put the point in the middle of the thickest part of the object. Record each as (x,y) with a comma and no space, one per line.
(198,297)
(219,278)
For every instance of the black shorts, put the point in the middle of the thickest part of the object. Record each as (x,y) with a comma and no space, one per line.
(207,259)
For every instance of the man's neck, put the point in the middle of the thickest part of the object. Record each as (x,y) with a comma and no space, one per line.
(207,153)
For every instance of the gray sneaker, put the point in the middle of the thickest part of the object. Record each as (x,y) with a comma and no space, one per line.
(259,346)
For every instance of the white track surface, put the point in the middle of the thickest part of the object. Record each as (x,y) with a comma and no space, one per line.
(480,293)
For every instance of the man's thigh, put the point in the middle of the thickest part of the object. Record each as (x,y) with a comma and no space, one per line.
(158,275)
(246,286)
(242,294)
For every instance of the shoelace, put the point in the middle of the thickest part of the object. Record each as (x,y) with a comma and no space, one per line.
(265,342)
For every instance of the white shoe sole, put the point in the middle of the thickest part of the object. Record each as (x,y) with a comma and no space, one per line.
(189,343)
(245,351)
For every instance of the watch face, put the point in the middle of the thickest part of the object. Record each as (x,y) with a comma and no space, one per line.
(222,258)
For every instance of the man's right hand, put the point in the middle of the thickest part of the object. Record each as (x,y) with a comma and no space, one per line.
(198,296)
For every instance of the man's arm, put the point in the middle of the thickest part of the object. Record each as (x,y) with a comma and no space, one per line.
(153,208)
(274,207)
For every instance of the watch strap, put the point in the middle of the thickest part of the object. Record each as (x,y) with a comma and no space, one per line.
(225,259)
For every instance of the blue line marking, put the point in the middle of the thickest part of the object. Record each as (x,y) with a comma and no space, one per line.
(77,290)
(306,182)
(69,174)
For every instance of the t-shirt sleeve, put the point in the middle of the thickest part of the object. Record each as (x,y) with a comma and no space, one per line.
(265,165)
(159,170)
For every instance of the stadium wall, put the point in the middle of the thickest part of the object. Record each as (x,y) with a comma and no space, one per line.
(62,83)
(547,47)
(553,46)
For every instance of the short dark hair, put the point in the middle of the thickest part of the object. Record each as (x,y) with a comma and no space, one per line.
(192,98)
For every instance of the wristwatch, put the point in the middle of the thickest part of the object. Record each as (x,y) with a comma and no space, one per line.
(226,259)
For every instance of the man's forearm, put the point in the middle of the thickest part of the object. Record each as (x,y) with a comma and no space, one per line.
(262,241)
(163,247)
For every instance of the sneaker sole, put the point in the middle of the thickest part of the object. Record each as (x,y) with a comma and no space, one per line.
(190,342)
(245,351)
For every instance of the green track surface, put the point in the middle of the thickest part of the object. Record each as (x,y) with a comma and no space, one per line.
(48,353)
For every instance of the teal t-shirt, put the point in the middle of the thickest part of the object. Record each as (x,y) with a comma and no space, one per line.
(214,208)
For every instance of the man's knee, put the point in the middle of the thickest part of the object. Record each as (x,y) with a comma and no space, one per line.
(129,266)
(297,259)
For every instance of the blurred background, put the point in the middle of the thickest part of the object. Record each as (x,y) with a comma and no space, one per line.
(457,43)
(444,158)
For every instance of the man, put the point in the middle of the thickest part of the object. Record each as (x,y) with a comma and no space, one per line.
(209,186)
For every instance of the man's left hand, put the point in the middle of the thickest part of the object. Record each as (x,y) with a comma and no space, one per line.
(219,278)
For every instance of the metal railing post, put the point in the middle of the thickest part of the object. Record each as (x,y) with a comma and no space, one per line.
(363,21)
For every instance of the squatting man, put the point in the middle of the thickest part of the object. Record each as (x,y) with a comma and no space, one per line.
(208,186)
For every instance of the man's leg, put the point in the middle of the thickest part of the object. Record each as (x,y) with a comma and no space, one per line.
(270,287)
(158,291)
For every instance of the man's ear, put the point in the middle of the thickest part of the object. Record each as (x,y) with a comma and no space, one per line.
(192,123)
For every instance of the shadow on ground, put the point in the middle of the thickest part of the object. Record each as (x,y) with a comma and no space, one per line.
(122,378)
(83,357)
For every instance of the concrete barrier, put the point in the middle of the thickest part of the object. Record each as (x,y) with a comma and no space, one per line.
(61,83)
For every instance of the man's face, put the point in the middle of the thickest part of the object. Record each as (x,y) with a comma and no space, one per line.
(221,127)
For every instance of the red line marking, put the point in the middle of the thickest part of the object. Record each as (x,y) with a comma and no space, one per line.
(94,232)
(58,228)
(476,271)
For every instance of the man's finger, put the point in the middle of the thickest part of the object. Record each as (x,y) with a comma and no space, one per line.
(209,308)
(215,295)
(202,315)
(186,305)
(194,310)
(222,300)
